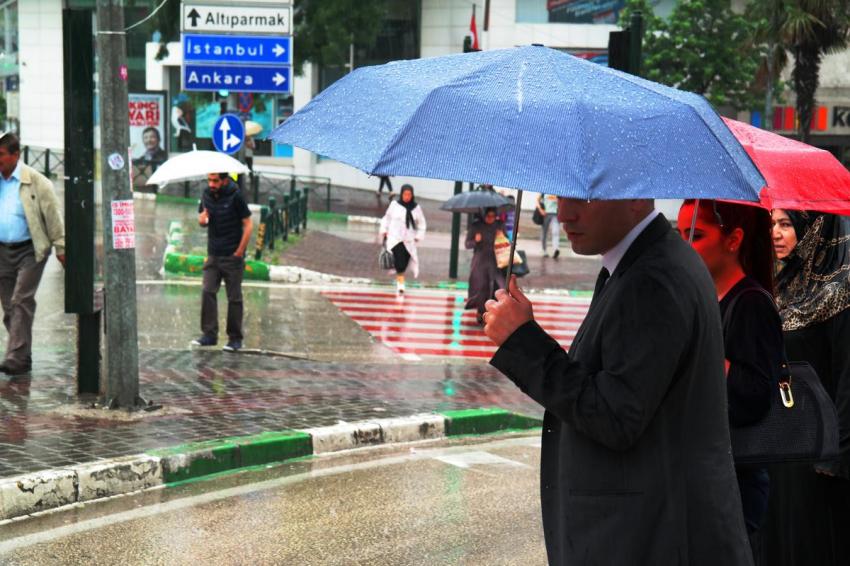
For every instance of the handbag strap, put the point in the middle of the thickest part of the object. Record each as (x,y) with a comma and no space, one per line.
(785,377)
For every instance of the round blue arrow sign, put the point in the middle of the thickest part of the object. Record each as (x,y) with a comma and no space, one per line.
(228,133)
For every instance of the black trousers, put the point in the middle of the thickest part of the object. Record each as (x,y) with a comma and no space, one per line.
(401,257)
(230,270)
(385,181)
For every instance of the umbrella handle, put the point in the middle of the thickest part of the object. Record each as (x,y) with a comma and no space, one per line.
(518,209)
(693,222)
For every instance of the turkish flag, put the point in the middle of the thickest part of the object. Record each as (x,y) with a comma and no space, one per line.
(473,30)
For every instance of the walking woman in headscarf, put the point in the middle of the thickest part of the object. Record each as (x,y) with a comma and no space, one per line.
(485,277)
(402,227)
(734,242)
(809,513)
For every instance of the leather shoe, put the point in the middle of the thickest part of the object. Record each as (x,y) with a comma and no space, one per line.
(14,370)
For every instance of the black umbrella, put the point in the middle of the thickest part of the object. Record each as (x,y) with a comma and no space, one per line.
(473,201)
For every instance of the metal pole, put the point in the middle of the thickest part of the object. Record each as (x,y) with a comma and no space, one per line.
(78,61)
(122,344)
(455,236)
(635,43)
(517,212)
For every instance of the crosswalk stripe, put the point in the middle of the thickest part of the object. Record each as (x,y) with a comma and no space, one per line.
(416,326)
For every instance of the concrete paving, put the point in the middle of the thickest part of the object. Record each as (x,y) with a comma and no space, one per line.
(464,502)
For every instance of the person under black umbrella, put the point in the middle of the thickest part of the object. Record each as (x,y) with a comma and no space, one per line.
(485,277)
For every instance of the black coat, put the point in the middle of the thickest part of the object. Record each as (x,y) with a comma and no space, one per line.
(485,277)
(636,464)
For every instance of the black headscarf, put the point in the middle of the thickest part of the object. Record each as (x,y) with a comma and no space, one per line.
(814,282)
(410,206)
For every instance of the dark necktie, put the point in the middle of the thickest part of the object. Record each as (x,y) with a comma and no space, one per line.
(600,283)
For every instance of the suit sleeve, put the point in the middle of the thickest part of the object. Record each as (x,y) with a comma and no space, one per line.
(645,336)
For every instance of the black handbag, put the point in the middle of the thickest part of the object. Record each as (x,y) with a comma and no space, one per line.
(800,426)
(386,259)
(537,217)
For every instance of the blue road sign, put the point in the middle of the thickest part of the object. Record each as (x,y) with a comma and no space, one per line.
(236,49)
(237,78)
(228,133)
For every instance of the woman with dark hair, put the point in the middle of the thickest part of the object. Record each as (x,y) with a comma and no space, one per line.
(485,277)
(734,242)
(402,227)
(809,516)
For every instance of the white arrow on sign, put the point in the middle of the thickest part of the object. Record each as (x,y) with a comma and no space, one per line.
(278,79)
(278,50)
(228,140)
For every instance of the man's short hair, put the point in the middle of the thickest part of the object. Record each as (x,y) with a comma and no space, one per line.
(223,176)
(10,142)
(154,130)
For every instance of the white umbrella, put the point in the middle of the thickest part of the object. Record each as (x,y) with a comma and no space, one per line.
(252,128)
(193,164)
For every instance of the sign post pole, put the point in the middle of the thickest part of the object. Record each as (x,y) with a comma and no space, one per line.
(122,345)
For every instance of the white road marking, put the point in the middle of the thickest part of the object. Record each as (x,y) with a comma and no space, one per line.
(152,510)
(477,458)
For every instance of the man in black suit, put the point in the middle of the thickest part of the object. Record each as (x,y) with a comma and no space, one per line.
(636,464)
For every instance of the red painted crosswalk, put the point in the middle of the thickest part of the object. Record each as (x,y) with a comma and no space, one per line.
(436,325)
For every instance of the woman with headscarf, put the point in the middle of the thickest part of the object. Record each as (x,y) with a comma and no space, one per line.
(402,227)
(734,242)
(485,277)
(809,512)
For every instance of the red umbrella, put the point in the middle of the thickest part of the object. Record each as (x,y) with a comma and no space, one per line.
(799,176)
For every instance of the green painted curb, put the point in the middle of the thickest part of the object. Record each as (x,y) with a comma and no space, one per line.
(199,459)
(484,421)
(184,264)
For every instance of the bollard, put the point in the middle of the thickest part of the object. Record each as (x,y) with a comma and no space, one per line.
(261,233)
(47,162)
(26,155)
(328,199)
(296,212)
(286,218)
(272,224)
(255,186)
(304,208)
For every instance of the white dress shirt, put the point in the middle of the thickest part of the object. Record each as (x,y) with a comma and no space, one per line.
(611,258)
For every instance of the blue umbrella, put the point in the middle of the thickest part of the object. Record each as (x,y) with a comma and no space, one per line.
(529,118)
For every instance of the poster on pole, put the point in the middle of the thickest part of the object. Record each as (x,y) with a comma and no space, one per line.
(123,225)
(147,134)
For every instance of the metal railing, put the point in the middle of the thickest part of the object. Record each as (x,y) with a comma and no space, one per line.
(50,162)
(276,221)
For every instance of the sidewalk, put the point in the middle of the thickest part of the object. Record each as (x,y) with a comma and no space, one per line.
(210,395)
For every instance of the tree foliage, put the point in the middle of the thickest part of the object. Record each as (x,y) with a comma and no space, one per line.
(325,29)
(703,47)
(808,29)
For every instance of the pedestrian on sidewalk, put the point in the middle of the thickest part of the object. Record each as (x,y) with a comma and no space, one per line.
(636,463)
(224,212)
(548,207)
(385,181)
(402,227)
(485,277)
(508,217)
(30,225)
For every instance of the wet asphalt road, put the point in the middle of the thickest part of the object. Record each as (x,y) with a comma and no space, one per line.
(472,501)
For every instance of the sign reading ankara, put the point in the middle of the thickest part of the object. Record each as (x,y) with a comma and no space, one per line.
(238,78)
(236,49)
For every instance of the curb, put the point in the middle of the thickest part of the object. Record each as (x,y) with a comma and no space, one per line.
(192,265)
(49,489)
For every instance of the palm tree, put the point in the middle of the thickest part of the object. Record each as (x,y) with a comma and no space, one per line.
(809,29)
